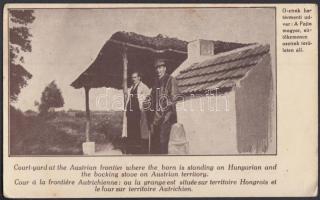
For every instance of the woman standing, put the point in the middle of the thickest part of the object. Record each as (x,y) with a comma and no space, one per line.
(135,127)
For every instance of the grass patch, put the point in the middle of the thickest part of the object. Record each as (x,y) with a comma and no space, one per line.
(62,133)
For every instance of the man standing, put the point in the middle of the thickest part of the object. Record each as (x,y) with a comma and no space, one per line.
(135,123)
(164,95)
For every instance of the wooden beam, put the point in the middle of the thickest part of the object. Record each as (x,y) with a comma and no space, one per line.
(147,48)
(86,89)
(125,73)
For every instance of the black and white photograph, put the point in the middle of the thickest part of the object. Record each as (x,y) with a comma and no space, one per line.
(142,81)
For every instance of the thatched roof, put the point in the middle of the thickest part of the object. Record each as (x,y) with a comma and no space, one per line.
(158,43)
(142,51)
(221,71)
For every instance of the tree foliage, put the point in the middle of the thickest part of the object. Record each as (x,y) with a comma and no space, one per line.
(19,42)
(51,98)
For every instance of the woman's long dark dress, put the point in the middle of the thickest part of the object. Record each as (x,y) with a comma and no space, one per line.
(133,122)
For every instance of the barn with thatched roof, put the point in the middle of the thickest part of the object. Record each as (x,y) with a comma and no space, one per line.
(124,53)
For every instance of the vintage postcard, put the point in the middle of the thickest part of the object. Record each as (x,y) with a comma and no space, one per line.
(160,100)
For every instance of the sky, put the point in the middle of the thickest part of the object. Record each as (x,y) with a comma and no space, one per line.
(66,41)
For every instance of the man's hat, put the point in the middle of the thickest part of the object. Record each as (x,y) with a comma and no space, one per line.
(160,62)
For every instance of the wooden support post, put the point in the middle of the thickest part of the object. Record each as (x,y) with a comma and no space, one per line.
(125,74)
(88,147)
(86,89)
(125,91)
